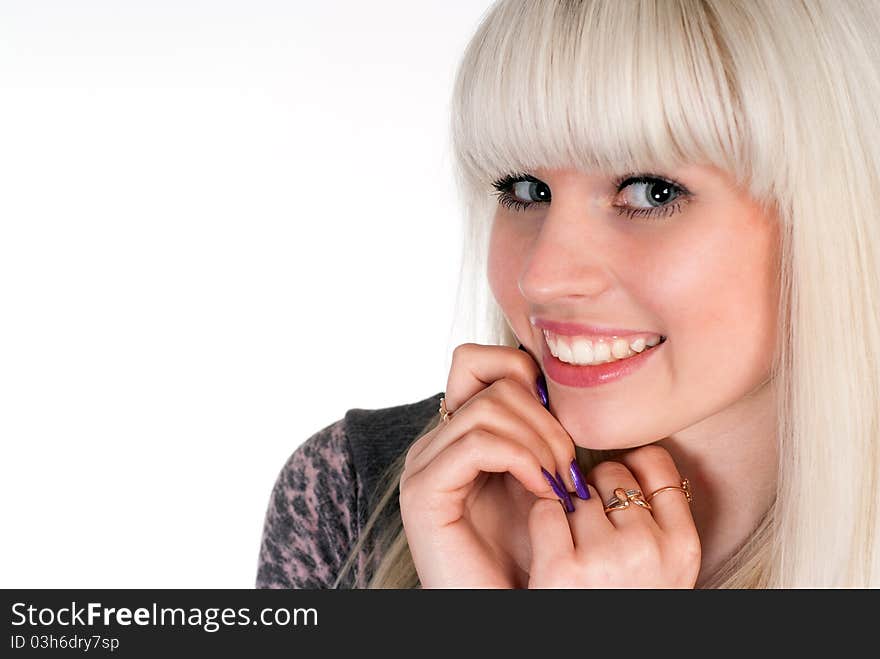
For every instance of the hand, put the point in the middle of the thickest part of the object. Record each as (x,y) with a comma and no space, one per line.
(453,494)
(630,548)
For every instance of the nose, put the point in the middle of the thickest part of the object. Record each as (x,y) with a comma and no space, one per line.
(570,256)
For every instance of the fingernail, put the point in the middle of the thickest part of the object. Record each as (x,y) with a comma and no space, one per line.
(541,384)
(580,483)
(569,504)
(559,490)
(553,484)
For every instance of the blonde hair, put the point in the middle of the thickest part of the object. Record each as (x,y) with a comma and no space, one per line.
(781,95)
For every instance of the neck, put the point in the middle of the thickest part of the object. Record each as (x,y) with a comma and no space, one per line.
(730,460)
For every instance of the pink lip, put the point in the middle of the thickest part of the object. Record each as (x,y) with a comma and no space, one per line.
(575,329)
(591,376)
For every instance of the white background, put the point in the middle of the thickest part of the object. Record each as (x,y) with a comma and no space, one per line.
(222,225)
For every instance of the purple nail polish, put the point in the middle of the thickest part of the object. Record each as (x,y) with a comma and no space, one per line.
(541,384)
(553,484)
(559,490)
(580,483)
(569,505)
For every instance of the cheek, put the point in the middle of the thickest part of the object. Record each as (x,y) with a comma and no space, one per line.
(720,302)
(504,261)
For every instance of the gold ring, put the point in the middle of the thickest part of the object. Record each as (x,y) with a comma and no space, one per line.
(623,498)
(685,487)
(444,413)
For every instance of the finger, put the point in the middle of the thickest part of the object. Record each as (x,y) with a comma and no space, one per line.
(549,533)
(491,414)
(474,367)
(654,468)
(506,408)
(589,523)
(610,475)
(456,467)
(418,446)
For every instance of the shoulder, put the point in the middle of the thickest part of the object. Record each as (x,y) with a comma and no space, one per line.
(322,495)
(362,443)
(311,516)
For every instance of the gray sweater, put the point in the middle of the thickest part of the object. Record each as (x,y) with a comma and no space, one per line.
(326,491)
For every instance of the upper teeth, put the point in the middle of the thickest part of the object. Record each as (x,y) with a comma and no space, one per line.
(584,352)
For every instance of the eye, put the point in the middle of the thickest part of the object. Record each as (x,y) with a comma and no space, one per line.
(663,197)
(520,191)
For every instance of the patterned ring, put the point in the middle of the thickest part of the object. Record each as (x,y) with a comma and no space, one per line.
(623,498)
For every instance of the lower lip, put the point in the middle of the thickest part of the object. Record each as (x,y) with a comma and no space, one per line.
(591,376)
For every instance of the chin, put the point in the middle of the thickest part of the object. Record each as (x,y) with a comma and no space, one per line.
(615,435)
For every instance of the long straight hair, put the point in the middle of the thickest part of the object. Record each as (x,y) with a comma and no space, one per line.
(783,96)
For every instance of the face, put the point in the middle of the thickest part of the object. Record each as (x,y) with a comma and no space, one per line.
(702,271)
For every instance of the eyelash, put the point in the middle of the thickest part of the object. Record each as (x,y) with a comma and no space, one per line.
(504,187)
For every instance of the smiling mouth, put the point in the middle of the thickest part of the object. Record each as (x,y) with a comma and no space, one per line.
(583,351)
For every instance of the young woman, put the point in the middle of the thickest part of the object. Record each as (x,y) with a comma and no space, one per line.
(673,230)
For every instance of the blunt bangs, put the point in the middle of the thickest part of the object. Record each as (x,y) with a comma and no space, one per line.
(605,87)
